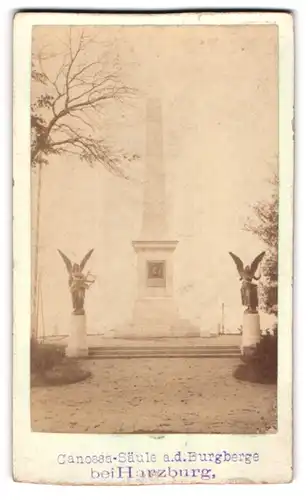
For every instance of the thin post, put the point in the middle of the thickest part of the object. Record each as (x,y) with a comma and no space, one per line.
(36,254)
(37,311)
(42,309)
(222,318)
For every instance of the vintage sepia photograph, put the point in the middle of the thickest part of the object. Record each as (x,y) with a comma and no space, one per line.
(161,235)
(155,229)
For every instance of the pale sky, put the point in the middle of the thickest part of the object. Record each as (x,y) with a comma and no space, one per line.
(218,89)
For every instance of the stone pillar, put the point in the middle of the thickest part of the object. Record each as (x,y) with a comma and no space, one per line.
(155,313)
(77,346)
(154,217)
(251,335)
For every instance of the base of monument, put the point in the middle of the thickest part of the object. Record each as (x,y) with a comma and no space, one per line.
(251,331)
(132,331)
(156,317)
(77,345)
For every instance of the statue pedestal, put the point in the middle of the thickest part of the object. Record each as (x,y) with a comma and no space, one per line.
(77,346)
(251,331)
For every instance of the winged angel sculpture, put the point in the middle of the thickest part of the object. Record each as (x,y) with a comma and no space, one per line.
(249,290)
(78,282)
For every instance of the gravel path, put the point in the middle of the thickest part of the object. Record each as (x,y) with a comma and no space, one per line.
(156,395)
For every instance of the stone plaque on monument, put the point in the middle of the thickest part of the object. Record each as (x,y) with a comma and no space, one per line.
(156,275)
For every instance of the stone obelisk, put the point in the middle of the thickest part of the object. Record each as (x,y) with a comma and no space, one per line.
(154,220)
(155,313)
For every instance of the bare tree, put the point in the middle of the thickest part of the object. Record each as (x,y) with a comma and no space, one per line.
(71,88)
(72,96)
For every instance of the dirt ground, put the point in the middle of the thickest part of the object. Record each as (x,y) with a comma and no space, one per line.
(156,395)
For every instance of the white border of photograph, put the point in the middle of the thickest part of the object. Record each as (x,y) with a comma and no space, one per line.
(35,454)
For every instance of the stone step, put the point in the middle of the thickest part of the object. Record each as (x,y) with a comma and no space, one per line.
(161,355)
(166,347)
(164,352)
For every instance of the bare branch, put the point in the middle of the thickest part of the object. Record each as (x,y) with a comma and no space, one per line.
(77,96)
(83,120)
(73,58)
(83,69)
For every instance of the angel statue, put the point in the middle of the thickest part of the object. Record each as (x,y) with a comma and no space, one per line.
(78,282)
(249,290)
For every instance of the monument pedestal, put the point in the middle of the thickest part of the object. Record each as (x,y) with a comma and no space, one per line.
(77,346)
(155,313)
(251,332)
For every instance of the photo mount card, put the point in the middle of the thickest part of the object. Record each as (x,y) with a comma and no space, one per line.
(153,232)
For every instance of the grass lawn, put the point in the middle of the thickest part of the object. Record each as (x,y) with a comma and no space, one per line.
(156,395)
